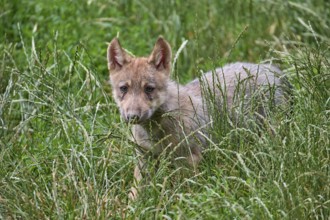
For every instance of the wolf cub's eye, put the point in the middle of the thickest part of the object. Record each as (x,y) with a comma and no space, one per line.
(123,89)
(149,89)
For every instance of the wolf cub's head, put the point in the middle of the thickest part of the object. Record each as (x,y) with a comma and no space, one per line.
(139,84)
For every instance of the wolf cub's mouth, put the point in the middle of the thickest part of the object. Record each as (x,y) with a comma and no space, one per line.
(135,119)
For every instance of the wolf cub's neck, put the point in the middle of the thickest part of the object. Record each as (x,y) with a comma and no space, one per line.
(175,95)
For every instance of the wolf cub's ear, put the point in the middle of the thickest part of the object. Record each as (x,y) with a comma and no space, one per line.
(117,57)
(161,55)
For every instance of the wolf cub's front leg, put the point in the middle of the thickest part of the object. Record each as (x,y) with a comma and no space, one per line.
(141,138)
(137,178)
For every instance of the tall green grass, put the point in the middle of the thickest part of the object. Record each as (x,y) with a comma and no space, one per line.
(65,154)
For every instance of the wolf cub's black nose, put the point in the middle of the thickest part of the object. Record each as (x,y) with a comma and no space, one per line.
(133,118)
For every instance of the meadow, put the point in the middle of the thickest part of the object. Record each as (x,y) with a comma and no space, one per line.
(66,154)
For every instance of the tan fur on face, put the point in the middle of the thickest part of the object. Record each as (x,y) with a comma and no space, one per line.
(137,74)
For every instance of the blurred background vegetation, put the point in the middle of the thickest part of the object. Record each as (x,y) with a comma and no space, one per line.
(212,28)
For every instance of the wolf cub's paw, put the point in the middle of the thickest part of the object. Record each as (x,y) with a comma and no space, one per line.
(133,194)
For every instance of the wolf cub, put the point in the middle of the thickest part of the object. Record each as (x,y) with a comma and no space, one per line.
(166,116)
